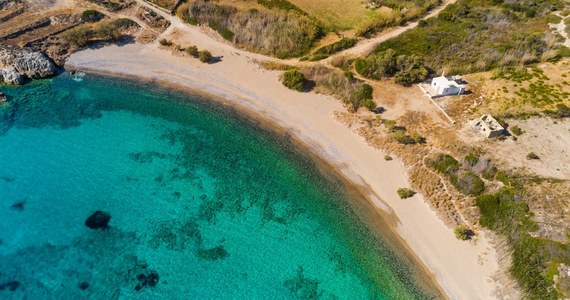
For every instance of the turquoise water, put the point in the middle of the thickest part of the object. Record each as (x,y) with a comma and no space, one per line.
(217,207)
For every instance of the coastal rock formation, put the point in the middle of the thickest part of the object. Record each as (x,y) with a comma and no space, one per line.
(98,220)
(18,65)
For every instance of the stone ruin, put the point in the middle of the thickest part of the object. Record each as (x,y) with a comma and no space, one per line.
(487,126)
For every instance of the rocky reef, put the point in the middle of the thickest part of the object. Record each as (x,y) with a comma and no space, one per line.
(19,65)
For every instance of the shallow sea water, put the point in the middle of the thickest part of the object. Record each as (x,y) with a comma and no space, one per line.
(217,207)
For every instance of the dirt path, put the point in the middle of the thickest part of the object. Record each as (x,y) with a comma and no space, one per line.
(366,46)
(362,48)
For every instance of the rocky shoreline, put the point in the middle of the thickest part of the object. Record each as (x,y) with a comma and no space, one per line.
(17,66)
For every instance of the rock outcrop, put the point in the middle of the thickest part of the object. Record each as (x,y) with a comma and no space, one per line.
(19,65)
(98,220)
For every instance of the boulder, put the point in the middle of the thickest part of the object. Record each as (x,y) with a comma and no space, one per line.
(98,220)
(18,65)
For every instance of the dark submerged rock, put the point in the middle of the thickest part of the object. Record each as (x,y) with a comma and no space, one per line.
(150,279)
(83,285)
(11,285)
(98,220)
(19,206)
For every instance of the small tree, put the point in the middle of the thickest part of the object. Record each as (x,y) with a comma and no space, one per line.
(294,80)
(532,155)
(205,56)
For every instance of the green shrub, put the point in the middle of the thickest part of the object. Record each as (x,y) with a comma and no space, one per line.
(79,36)
(165,42)
(472,158)
(445,164)
(91,15)
(387,157)
(462,232)
(390,125)
(405,193)
(361,96)
(294,80)
(531,156)
(192,51)
(516,130)
(124,23)
(468,183)
(281,4)
(562,111)
(205,56)
(227,34)
(406,69)
(335,47)
(319,56)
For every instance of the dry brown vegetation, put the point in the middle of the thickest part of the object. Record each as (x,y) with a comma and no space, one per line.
(279,33)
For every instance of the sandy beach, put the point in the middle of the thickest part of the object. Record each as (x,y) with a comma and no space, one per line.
(463,270)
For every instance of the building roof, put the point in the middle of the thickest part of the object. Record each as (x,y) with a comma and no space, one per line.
(444,81)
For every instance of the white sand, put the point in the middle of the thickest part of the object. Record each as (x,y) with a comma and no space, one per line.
(462,270)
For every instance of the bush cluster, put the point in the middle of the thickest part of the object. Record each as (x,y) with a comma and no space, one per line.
(476,35)
(464,179)
(91,15)
(325,51)
(406,69)
(103,32)
(462,232)
(342,85)
(294,80)
(405,193)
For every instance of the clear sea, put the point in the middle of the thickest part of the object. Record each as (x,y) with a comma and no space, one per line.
(202,200)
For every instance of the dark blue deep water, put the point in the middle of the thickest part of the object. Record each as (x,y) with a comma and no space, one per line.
(203,204)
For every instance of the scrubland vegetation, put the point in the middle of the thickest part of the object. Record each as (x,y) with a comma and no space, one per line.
(342,85)
(168,4)
(402,11)
(476,35)
(282,33)
(406,69)
(91,15)
(505,211)
(532,94)
(326,51)
(102,32)
(112,5)
(204,56)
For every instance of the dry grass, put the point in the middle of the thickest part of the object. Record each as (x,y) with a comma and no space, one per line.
(338,14)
